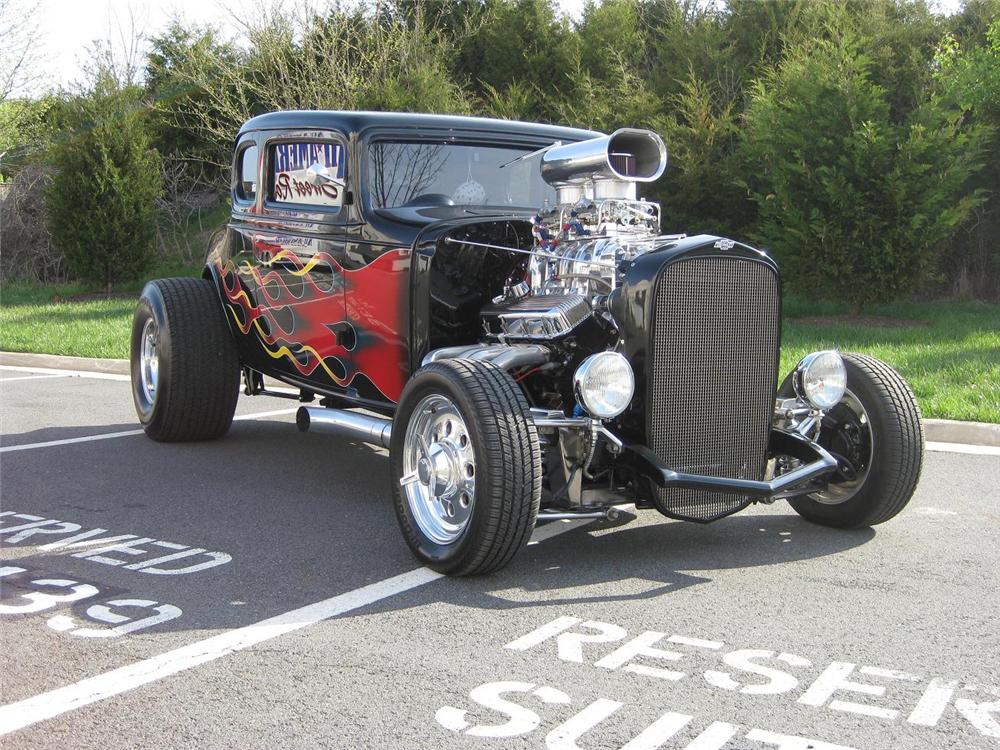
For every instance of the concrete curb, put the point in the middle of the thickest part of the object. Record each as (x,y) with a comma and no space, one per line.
(58,362)
(972,433)
(937,430)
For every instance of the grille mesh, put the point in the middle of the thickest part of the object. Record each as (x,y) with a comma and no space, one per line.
(713,371)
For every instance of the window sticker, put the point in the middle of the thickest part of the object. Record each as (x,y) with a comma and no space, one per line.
(310,173)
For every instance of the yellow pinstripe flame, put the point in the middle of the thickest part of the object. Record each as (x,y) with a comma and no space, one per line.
(246,268)
(289,254)
(241,294)
(236,318)
(283,350)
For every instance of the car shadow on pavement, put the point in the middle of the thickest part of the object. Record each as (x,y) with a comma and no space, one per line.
(598,563)
(308,517)
(301,517)
(666,556)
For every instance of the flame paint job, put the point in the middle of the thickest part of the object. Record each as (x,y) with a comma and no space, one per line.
(300,317)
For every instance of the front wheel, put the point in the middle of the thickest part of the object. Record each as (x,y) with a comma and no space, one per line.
(466,467)
(877,432)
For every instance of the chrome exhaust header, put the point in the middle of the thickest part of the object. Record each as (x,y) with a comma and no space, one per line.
(368,428)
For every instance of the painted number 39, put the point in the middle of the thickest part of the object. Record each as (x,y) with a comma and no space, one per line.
(71,591)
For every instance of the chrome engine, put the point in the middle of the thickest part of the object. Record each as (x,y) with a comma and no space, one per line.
(536,316)
(583,248)
(583,244)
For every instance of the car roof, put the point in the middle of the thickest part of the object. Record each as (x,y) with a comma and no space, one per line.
(355,122)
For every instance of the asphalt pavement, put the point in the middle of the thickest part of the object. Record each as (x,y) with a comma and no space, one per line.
(255,592)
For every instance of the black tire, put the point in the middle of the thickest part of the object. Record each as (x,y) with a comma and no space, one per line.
(507,466)
(198,373)
(895,452)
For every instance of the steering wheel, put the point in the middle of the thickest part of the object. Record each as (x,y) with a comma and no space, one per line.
(429,199)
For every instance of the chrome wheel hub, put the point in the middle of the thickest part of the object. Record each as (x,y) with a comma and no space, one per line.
(439,469)
(149,361)
(857,428)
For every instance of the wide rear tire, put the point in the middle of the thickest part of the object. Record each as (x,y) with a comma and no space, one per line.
(878,428)
(184,363)
(466,467)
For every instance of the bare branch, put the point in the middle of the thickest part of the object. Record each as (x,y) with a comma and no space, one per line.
(20,43)
(119,58)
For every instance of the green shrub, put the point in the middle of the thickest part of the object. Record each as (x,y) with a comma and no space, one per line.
(101,200)
(970,76)
(699,192)
(854,205)
(295,59)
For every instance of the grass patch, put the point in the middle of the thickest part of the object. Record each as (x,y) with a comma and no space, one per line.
(52,320)
(98,328)
(74,319)
(950,355)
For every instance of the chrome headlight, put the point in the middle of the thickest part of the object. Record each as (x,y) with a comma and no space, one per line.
(604,384)
(821,379)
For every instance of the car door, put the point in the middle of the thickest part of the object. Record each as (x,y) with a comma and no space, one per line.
(297,258)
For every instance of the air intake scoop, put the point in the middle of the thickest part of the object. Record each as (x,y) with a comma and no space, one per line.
(627,155)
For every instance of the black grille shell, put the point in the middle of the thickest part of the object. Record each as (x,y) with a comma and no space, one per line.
(713,362)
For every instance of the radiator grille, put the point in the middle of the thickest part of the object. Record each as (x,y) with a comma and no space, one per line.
(712,377)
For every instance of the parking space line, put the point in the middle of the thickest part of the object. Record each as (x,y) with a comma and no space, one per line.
(33,377)
(126,433)
(979,450)
(24,713)
(68,441)
(18,715)
(66,373)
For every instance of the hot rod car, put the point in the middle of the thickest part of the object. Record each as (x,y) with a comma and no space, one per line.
(494,303)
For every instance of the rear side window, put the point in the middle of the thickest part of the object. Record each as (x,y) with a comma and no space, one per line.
(310,173)
(246,180)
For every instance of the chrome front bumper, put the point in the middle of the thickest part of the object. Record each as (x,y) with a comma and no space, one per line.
(816,461)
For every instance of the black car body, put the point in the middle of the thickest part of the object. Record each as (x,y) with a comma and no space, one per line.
(424,267)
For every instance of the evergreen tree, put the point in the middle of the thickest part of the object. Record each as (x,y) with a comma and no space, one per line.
(854,205)
(101,201)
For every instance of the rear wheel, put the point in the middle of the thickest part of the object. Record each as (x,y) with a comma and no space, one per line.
(466,467)
(184,364)
(877,434)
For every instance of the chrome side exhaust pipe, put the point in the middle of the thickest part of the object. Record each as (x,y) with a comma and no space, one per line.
(367,428)
(605,514)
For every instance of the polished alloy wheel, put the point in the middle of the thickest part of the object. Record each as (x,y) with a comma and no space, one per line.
(149,362)
(439,469)
(851,437)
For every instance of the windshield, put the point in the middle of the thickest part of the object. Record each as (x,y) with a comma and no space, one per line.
(422,174)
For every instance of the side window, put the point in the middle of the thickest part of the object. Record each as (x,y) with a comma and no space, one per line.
(246,179)
(310,173)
